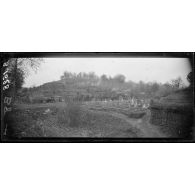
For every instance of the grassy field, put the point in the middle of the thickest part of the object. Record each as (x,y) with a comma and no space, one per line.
(122,107)
(89,119)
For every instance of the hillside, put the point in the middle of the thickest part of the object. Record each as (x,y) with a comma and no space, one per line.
(87,87)
(76,92)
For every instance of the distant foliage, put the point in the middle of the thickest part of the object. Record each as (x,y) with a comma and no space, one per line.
(83,86)
(69,78)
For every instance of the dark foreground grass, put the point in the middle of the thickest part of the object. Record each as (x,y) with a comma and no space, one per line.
(66,121)
(22,123)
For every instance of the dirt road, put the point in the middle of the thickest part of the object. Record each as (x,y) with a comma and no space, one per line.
(146,130)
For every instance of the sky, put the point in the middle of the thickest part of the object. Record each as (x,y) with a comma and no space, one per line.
(135,69)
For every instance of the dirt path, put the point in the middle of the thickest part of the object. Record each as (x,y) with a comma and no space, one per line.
(146,129)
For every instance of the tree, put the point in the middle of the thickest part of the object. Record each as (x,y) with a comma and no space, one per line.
(177,83)
(141,86)
(19,69)
(66,75)
(190,78)
(119,78)
(104,78)
(155,87)
(93,78)
(18,78)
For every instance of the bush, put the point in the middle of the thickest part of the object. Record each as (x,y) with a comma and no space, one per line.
(22,124)
(70,115)
(136,115)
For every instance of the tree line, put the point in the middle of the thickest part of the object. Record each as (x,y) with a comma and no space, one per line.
(119,83)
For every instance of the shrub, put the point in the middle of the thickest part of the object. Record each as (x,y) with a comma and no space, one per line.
(22,124)
(70,115)
(136,115)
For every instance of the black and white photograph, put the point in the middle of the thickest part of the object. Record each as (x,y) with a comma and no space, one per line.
(97,96)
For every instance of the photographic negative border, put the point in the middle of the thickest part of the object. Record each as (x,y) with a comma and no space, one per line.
(6,55)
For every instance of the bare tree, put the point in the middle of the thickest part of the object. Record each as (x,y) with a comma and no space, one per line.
(177,83)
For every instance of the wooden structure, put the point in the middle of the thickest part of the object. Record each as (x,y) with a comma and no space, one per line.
(174,113)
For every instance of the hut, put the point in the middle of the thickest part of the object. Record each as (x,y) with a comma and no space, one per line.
(174,113)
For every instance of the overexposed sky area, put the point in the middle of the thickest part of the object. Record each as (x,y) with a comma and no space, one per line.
(135,69)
